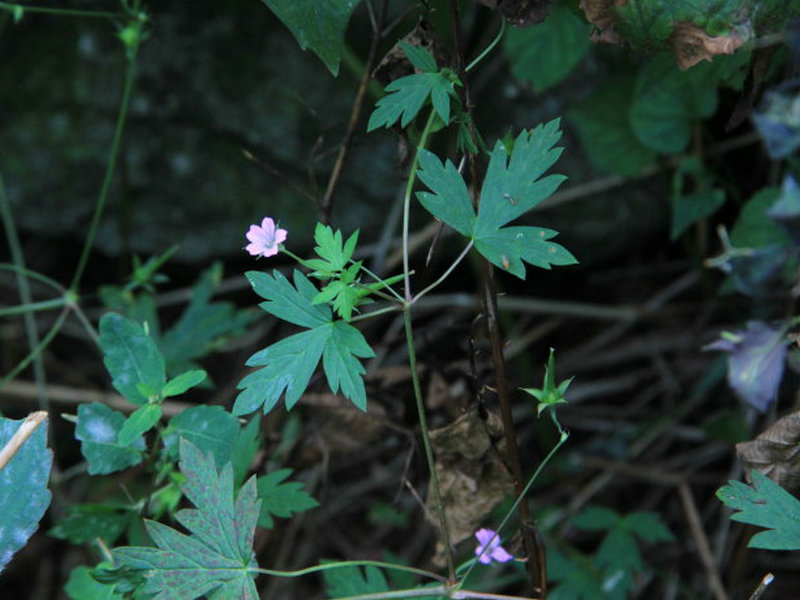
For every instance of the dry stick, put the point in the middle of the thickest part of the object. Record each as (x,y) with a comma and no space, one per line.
(29,425)
(326,204)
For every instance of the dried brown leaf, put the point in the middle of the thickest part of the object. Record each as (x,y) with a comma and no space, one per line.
(691,44)
(600,13)
(775,452)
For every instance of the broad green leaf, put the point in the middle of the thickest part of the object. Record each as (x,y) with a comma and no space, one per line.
(86,522)
(667,102)
(511,188)
(183,382)
(407,95)
(132,357)
(606,132)
(687,210)
(210,428)
(97,430)
(289,363)
(765,504)
(23,488)
(754,228)
(419,57)
(351,581)
(217,558)
(82,586)
(281,498)
(576,580)
(142,420)
(203,326)
(546,54)
(315,24)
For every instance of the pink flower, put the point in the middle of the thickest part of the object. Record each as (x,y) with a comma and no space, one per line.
(489,547)
(264,240)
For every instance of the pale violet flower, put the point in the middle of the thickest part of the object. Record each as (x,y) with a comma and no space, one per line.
(494,551)
(264,240)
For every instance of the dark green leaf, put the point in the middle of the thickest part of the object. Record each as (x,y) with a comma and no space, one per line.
(203,325)
(286,302)
(210,428)
(606,133)
(667,102)
(449,201)
(767,505)
(648,526)
(317,25)
(217,559)
(131,356)
(97,429)
(687,210)
(23,488)
(281,499)
(407,95)
(137,424)
(86,522)
(546,54)
(183,382)
(244,449)
(595,518)
(350,581)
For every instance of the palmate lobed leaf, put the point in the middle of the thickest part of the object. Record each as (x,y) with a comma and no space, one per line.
(289,364)
(281,498)
(217,559)
(513,185)
(767,505)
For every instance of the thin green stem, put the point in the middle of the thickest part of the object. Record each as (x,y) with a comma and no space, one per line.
(34,275)
(526,489)
(489,48)
(376,313)
(436,591)
(110,167)
(351,563)
(423,423)
(38,349)
(63,12)
(446,274)
(385,285)
(412,177)
(31,333)
(24,309)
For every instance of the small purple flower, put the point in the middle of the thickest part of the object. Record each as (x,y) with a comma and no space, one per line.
(756,360)
(264,240)
(489,547)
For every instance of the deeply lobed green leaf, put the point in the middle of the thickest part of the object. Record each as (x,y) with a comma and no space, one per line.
(217,557)
(281,498)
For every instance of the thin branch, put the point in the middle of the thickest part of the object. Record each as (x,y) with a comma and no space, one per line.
(22,434)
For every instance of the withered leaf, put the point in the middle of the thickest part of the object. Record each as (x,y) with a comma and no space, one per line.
(471,476)
(775,452)
(691,44)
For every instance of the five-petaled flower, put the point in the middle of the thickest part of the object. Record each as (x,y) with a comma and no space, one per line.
(494,551)
(264,240)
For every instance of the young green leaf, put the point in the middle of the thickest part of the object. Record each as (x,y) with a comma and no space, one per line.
(334,253)
(767,505)
(217,559)
(419,57)
(97,430)
(210,428)
(407,95)
(511,188)
(281,499)
(23,487)
(132,357)
(142,420)
(289,363)
(186,380)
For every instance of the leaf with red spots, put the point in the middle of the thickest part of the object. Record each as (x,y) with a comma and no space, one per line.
(217,559)
(513,186)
